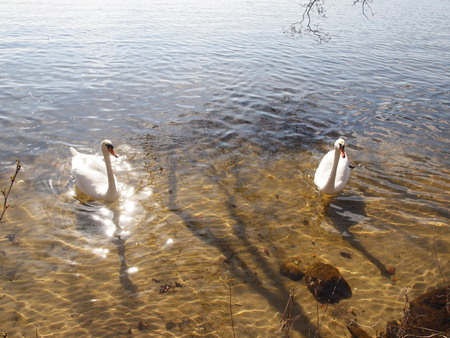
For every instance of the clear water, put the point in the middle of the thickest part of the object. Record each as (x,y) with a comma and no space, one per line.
(220,121)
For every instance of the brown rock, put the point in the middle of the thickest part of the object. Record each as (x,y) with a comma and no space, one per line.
(326,283)
(431,310)
(292,271)
(428,313)
(346,254)
(391,269)
(356,330)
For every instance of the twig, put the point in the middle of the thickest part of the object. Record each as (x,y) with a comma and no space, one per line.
(364,4)
(316,284)
(314,10)
(305,26)
(287,320)
(6,194)
(406,316)
(231,308)
(319,320)
(332,293)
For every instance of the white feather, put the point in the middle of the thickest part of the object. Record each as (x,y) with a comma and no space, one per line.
(333,172)
(93,176)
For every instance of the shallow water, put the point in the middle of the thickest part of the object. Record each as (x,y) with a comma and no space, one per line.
(220,121)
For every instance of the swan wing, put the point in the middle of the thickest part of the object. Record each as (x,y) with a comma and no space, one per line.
(85,162)
(323,171)
(90,175)
(342,173)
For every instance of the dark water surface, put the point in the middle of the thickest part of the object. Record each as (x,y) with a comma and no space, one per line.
(220,121)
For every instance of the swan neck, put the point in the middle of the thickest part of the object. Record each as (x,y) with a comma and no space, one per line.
(109,172)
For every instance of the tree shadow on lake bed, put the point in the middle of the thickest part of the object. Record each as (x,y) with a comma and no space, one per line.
(240,261)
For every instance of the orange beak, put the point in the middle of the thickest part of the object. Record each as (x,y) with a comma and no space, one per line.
(112,152)
(341,149)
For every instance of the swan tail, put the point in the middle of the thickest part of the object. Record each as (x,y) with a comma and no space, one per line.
(73,151)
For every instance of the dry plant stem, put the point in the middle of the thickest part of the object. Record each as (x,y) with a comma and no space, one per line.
(287,320)
(405,315)
(406,323)
(319,320)
(317,333)
(231,308)
(6,194)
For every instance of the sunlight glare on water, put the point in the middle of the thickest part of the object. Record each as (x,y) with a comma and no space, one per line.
(220,121)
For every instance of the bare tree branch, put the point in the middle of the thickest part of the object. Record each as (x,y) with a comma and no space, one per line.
(315,10)
(364,5)
(6,193)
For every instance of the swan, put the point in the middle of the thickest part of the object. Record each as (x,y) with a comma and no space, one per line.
(333,171)
(93,176)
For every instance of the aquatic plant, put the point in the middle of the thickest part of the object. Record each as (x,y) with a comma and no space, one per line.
(6,193)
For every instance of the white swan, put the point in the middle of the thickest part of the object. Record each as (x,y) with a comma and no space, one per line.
(93,176)
(333,171)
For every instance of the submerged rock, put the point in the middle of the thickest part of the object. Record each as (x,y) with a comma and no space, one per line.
(428,314)
(326,283)
(292,271)
(390,269)
(356,330)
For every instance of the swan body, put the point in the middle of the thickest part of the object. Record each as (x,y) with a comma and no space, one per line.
(93,176)
(333,171)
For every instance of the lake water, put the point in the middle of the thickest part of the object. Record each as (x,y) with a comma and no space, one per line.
(220,120)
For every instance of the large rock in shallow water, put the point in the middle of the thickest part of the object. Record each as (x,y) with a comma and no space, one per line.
(428,316)
(326,283)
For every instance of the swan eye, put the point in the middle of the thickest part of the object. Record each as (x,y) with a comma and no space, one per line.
(109,146)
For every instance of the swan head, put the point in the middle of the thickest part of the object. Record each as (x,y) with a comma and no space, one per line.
(107,146)
(340,145)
